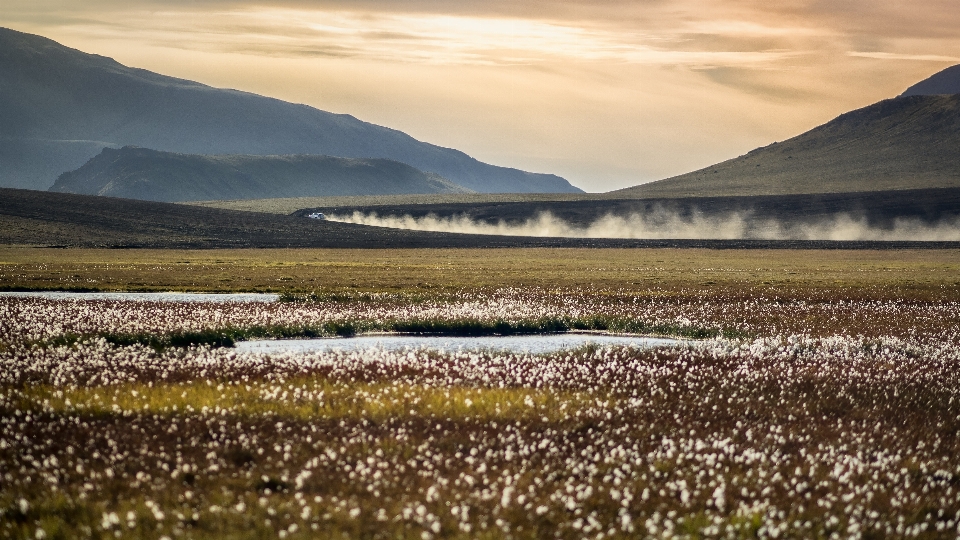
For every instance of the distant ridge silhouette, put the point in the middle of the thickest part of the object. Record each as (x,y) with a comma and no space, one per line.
(151,175)
(59,107)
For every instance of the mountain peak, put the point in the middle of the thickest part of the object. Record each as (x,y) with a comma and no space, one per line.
(944,82)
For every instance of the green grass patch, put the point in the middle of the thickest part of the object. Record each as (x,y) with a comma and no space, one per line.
(317,398)
(228,337)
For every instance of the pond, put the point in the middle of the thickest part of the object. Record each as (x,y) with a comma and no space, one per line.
(147,296)
(532,344)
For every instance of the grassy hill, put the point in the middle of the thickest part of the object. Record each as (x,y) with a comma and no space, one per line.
(59,107)
(139,173)
(910,142)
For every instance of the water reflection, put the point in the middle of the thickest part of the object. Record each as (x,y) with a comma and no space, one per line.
(533,344)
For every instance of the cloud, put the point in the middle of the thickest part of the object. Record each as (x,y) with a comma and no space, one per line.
(907,57)
(718,33)
(408,37)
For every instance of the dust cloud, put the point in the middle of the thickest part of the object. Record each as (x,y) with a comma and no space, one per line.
(663,224)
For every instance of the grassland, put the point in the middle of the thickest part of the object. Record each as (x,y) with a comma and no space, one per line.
(829,408)
(920,274)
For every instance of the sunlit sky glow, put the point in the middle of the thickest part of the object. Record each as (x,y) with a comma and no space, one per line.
(605,93)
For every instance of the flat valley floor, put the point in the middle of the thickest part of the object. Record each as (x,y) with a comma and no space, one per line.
(814,394)
(888,274)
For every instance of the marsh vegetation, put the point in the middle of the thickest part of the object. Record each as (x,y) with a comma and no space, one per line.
(812,409)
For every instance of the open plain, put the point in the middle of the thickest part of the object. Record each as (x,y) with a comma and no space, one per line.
(240,311)
(836,273)
(816,394)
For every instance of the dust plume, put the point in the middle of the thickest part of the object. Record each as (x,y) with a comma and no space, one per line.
(663,224)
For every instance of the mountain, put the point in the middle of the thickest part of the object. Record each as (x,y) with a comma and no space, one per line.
(944,82)
(151,175)
(910,142)
(59,107)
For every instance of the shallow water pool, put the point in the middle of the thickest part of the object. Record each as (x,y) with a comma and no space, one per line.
(532,344)
(147,296)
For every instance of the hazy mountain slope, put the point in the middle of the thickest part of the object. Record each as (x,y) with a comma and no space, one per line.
(944,82)
(140,173)
(904,143)
(52,96)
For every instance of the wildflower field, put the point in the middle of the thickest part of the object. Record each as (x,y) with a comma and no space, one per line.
(813,395)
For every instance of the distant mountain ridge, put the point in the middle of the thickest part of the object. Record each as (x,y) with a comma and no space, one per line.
(898,144)
(59,107)
(151,175)
(944,82)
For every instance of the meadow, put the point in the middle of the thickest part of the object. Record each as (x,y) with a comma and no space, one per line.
(817,396)
(838,274)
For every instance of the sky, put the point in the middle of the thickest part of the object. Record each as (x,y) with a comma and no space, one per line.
(606,93)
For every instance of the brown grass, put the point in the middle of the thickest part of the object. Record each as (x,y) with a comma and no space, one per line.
(922,274)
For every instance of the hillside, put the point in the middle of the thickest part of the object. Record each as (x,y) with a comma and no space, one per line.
(292,204)
(898,144)
(39,218)
(139,173)
(59,107)
(944,82)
